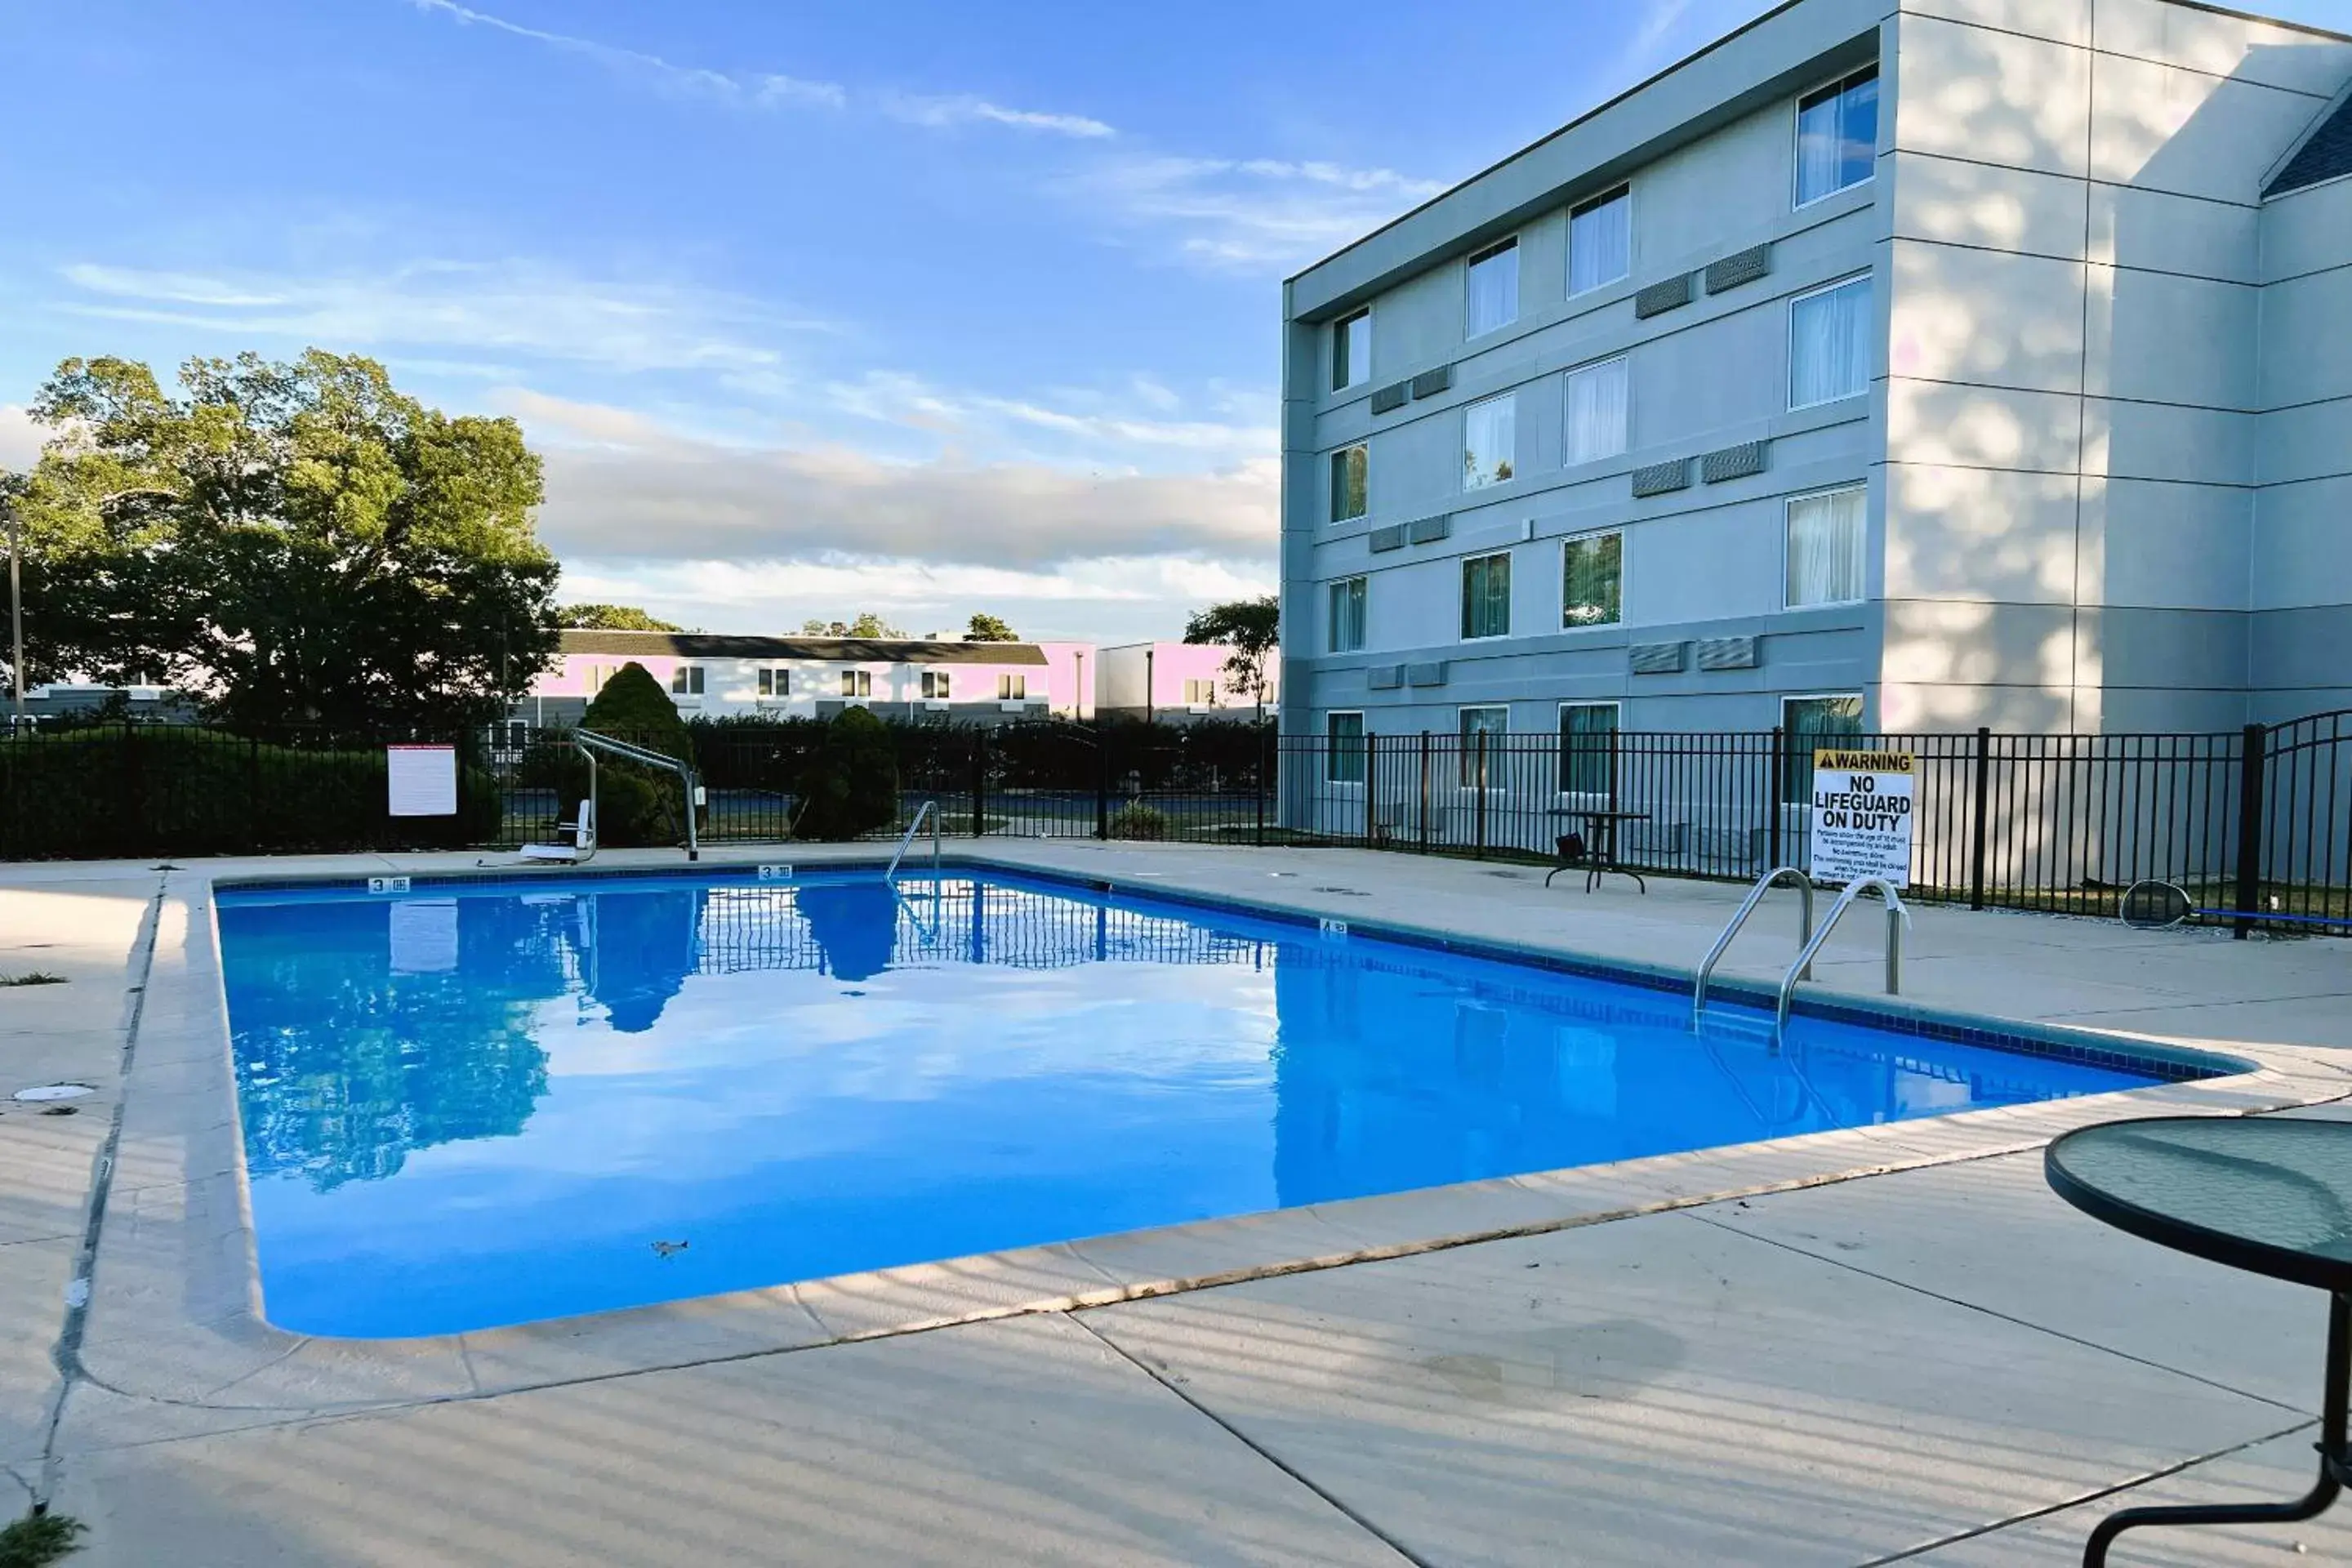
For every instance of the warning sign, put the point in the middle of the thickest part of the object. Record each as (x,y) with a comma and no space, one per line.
(1862,816)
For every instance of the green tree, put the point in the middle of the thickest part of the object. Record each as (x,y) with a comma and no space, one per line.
(285,542)
(867,625)
(635,805)
(1253,629)
(850,785)
(611,618)
(985,627)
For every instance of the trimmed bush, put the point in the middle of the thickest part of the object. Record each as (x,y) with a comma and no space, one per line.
(633,706)
(850,786)
(140,790)
(1138,821)
(636,807)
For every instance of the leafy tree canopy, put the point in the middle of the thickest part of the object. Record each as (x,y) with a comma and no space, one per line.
(287,541)
(1252,628)
(632,706)
(611,618)
(985,627)
(867,625)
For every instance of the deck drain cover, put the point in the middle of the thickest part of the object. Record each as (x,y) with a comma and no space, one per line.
(41,1091)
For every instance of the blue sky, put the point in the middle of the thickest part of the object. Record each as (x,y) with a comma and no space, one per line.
(921,307)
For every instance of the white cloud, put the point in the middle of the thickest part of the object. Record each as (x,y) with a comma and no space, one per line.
(939,113)
(757,91)
(20,438)
(1095,427)
(1250,213)
(498,308)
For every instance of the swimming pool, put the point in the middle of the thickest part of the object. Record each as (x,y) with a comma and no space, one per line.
(487,1102)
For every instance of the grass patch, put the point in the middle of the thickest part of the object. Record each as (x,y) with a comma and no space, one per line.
(39,1539)
(30,977)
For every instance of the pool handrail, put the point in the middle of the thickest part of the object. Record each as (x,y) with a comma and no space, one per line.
(1747,907)
(930,809)
(1897,918)
(590,741)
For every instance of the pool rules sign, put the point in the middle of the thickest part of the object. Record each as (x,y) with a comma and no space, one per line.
(1862,816)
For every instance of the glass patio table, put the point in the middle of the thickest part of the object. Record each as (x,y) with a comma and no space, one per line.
(2271,1196)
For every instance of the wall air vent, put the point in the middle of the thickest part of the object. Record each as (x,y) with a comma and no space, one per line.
(1426,674)
(1388,398)
(1658,479)
(1430,529)
(1655,657)
(1390,538)
(1430,382)
(1740,267)
(1733,462)
(1660,298)
(1726,653)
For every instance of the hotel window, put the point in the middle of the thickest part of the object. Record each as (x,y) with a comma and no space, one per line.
(1351,350)
(1489,434)
(1200,694)
(775,682)
(1486,596)
(857,683)
(1829,343)
(1601,241)
(1346,620)
(1482,730)
(1593,581)
(686,680)
(1343,757)
(936,685)
(1012,688)
(1600,397)
(1493,289)
(1588,748)
(1807,722)
(1350,483)
(1826,533)
(1837,136)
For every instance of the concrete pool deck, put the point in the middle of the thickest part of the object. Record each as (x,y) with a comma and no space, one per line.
(1849,1348)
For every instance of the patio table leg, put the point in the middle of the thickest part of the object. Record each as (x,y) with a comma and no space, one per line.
(2333,1463)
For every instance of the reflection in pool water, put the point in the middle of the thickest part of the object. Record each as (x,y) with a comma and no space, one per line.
(483,1104)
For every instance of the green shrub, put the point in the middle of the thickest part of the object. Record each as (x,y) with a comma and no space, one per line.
(850,785)
(633,706)
(1138,821)
(145,790)
(39,1539)
(636,807)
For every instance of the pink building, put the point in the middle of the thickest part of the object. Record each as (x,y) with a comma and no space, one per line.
(1174,682)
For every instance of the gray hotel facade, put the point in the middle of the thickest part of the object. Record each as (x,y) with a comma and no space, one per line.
(1888,364)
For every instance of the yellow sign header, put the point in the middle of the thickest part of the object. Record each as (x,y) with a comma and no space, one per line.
(1864,761)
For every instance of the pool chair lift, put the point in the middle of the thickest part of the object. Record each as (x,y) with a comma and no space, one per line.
(576,840)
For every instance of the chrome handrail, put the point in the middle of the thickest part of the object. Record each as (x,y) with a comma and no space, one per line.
(590,741)
(1897,918)
(1755,896)
(930,809)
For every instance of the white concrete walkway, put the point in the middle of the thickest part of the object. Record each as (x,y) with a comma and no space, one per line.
(1940,1363)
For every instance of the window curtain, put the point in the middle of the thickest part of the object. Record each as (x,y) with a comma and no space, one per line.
(1350,483)
(1347,615)
(1591,581)
(1837,137)
(1343,761)
(1489,434)
(1486,596)
(1825,548)
(1600,243)
(1484,758)
(1588,748)
(1494,290)
(1828,344)
(1598,398)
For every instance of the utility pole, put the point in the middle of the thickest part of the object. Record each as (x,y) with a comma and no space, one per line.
(15,610)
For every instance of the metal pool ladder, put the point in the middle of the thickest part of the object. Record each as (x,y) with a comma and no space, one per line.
(930,809)
(1898,917)
(1747,907)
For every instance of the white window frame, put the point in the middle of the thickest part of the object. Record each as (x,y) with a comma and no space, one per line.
(1462,586)
(1625,358)
(1331,748)
(688,681)
(1462,741)
(1589,534)
(1511,397)
(1511,244)
(1797,201)
(1331,619)
(1788,504)
(1013,687)
(1866,275)
(1613,704)
(1625,190)
(1358,374)
(856,685)
(1331,478)
(938,686)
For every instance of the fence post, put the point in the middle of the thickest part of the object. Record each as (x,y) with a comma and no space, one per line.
(134,796)
(1264,762)
(979,781)
(2256,742)
(1424,792)
(1102,784)
(1977,819)
(1773,808)
(1480,852)
(1371,789)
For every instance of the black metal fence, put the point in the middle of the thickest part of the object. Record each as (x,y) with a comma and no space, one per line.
(2255,826)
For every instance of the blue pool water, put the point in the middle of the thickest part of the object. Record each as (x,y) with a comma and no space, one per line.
(483,1104)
